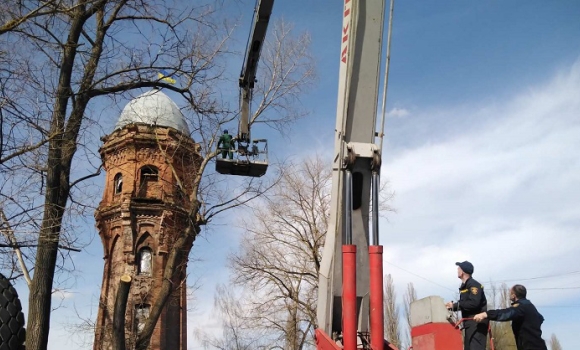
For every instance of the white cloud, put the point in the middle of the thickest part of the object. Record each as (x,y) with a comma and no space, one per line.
(398,112)
(502,193)
(63,294)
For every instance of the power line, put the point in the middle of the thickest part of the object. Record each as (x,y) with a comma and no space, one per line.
(540,277)
(556,306)
(553,288)
(421,277)
(507,280)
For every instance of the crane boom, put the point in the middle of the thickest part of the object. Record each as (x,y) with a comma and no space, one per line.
(262,14)
(356,168)
(250,160)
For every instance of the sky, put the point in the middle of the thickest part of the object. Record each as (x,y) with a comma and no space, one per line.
(482,152)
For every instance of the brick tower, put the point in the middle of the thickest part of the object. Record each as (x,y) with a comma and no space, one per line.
(144,208)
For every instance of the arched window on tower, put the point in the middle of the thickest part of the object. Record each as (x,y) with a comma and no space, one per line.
(118,183)
(141,316)
(145,262)
(149,176)
(149,173)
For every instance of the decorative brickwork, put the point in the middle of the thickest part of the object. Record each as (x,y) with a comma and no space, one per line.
(144,207)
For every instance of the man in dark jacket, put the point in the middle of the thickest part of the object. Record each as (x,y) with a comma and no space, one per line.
(526,320)
(472,301)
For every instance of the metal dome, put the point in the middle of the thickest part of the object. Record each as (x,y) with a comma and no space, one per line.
(153,108)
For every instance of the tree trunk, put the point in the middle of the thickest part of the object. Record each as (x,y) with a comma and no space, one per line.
(391,321)
(56,197)
(57,191)
(119,313)
(41,288)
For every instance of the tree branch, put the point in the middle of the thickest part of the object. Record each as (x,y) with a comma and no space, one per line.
(13,244)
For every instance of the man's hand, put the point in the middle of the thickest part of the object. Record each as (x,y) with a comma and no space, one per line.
(480,317)
(449,305)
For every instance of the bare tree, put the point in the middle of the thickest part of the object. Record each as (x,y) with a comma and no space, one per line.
(409,297)
(503,336)
(235,334)
(281,252)
(280,257)
(392,326)
(555,343)
(67,61)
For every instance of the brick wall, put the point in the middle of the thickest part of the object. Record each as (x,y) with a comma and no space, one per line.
(140,216)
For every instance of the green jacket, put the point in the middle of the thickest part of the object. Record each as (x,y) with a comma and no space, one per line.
(226,140)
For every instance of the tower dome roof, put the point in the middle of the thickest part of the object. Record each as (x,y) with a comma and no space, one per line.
(153,108)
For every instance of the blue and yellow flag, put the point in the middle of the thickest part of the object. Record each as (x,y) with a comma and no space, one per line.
(163,75)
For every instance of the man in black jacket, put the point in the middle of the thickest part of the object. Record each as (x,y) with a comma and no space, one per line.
(471,302)
(526,320)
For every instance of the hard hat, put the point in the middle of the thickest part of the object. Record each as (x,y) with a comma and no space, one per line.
(225,131)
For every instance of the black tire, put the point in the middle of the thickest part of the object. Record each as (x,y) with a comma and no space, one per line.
(12,332)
